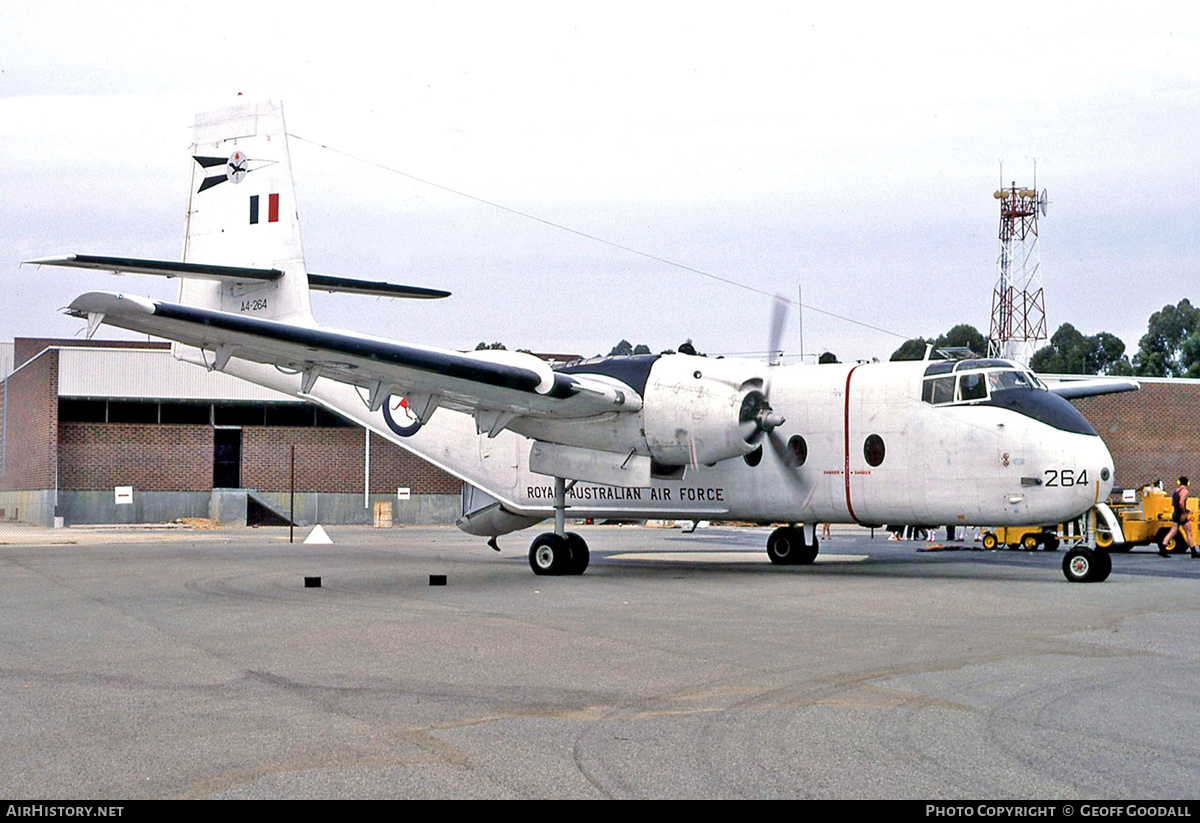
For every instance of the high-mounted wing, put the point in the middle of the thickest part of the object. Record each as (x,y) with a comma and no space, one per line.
(510,383)
(1090,386)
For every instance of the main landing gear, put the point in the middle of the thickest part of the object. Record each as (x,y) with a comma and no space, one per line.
(787,547)
(560,551)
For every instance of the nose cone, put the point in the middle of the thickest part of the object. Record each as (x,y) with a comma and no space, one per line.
(1096,457)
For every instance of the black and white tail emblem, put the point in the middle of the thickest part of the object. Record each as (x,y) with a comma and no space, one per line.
(236,167)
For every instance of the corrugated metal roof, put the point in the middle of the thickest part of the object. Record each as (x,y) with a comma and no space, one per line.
(150,375)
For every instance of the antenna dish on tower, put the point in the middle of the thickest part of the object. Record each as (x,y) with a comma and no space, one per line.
(1043,201)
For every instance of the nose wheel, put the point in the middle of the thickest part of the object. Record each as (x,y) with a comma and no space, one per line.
(1087,566)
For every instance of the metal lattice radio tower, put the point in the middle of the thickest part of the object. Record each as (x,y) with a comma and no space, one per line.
(1018,301)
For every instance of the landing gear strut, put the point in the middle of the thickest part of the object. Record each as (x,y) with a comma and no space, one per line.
(787,547)
(560,551)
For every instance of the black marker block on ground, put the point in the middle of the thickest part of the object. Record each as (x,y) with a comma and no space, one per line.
(437,580)
(312,582)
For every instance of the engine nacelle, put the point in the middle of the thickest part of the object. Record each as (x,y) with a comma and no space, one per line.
(700,410)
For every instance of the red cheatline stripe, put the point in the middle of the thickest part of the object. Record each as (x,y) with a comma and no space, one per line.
(273,209)
(849,506)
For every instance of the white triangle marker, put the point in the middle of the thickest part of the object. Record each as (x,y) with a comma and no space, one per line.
(317,535)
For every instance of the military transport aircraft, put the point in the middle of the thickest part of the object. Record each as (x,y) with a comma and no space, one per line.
(975,441)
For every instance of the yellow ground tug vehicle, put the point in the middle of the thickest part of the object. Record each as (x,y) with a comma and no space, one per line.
(1029,538)
(1121,525)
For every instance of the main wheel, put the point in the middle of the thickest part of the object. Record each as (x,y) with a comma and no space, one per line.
(806,555)
(550,554)
(783,544)
(580,556)
(786,547)
(1087,566)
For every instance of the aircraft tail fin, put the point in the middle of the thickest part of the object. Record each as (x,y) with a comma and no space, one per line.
(242,212)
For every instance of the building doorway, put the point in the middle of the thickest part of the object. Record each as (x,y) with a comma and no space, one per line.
(227,458)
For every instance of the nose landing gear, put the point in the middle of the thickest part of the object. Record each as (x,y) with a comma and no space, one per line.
(1083,565)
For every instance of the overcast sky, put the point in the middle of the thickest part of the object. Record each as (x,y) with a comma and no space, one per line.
(850,151)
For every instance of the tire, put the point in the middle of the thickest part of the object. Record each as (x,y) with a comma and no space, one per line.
(783,545)
(580,556)
(806,555)
(1176,545)
(990,541)
(1052,543)
(1029,542)
(550,555)
(1104,539)
(1086,566)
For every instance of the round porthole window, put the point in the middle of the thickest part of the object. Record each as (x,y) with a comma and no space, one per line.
(1104,475)
(873,450)
(797,451)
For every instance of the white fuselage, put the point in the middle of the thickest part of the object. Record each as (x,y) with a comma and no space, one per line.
(955,464)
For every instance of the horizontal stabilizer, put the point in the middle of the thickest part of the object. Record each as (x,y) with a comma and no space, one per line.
(161,268)
(345,285)
(205,271)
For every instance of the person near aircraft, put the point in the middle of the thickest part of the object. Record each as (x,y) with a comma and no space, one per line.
(1179,520)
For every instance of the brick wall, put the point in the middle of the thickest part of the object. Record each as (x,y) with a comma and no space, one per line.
(31,429)
(332,460)
(151,458)
(392,467)
(1153,433)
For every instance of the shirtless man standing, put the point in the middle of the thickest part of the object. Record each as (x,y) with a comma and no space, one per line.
(1179,520)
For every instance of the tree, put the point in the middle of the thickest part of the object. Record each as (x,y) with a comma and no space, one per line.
(913,349)
(1071,352)
(828,357)
(485,346)
(1171,345)
(625,348)
(963,335)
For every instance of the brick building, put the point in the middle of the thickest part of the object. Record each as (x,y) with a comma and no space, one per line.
(78,420)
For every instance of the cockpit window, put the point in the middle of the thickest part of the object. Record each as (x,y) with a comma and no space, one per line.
(978,383)
(1001,380)
(972,386)
(939,390)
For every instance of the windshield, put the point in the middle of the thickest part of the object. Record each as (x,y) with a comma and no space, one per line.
(976,384)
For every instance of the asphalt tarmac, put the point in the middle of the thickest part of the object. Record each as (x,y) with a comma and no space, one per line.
(197,665)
